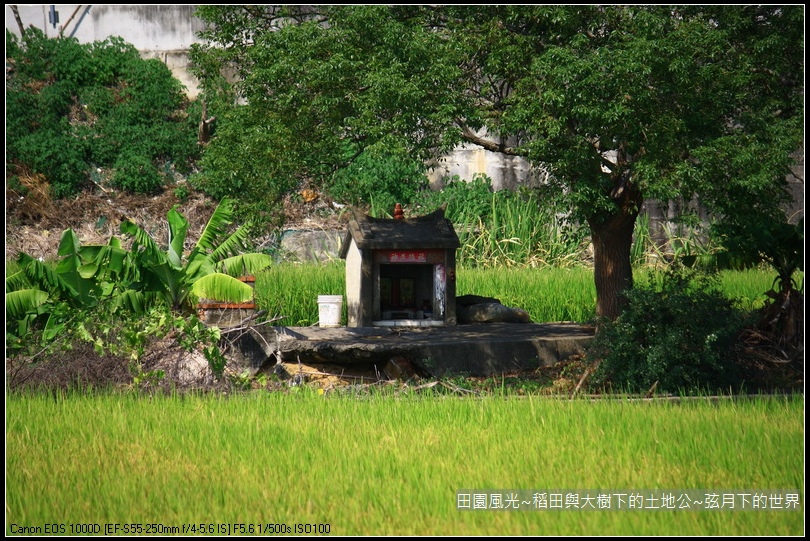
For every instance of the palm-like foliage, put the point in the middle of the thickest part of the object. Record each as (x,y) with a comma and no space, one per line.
(134,280)
(209,270)
(83,277)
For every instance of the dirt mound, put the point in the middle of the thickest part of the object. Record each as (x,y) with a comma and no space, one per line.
(34,222)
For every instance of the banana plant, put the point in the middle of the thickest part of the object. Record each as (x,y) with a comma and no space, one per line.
(82,277)
(133,280)
(209,271)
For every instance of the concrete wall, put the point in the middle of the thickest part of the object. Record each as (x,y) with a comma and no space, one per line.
(469,161)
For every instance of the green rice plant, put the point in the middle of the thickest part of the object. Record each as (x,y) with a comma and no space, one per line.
(548,294)
(391,465)
(291,291)
(747,288)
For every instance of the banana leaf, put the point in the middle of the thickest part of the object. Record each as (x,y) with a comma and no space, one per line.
(244,264)
(221,287)
(20,302)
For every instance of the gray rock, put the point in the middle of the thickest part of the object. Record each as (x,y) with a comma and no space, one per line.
(469,300)
(491,312)
(314,246)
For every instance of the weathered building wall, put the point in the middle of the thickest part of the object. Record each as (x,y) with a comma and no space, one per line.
(469,161)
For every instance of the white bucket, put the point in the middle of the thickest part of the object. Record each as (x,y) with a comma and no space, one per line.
(330,308)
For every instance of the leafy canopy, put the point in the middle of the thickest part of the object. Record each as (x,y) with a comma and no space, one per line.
(619,103)
(690,99)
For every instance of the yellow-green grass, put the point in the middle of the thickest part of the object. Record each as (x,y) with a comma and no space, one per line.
(549,294)
(385,465)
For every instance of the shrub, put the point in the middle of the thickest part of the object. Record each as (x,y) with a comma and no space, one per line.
(380,179)
(136,173)
(71,108)
(679,331)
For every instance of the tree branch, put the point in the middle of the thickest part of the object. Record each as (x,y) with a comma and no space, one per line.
(470,136)
(62,29)
(18,19)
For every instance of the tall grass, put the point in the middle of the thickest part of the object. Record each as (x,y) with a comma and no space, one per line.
(549,294)
(517,231)
(384,465)
(679,241)
(292,291)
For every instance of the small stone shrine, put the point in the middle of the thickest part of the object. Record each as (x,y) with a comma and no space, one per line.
(400,271)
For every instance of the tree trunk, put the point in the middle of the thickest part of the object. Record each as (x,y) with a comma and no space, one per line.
(18,19)
(612,240)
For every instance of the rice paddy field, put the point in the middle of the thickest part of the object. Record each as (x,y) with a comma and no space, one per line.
(549,294)
(301,462)
(305,463)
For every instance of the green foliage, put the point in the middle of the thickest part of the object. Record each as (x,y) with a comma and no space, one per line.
(136,173)
(92,285)
(48,297)
(244,163)
(780,245)
(679,331)
(619,103)
(320,98)
(116,333)
(182,193)
(210,269)
(381,177)
(71,108)
(55,326)
(777,243)
(464,199)
(196,334)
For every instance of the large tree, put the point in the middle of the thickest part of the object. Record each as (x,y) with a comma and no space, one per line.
(620,103)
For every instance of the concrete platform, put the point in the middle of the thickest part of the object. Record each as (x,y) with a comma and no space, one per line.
(471,350)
